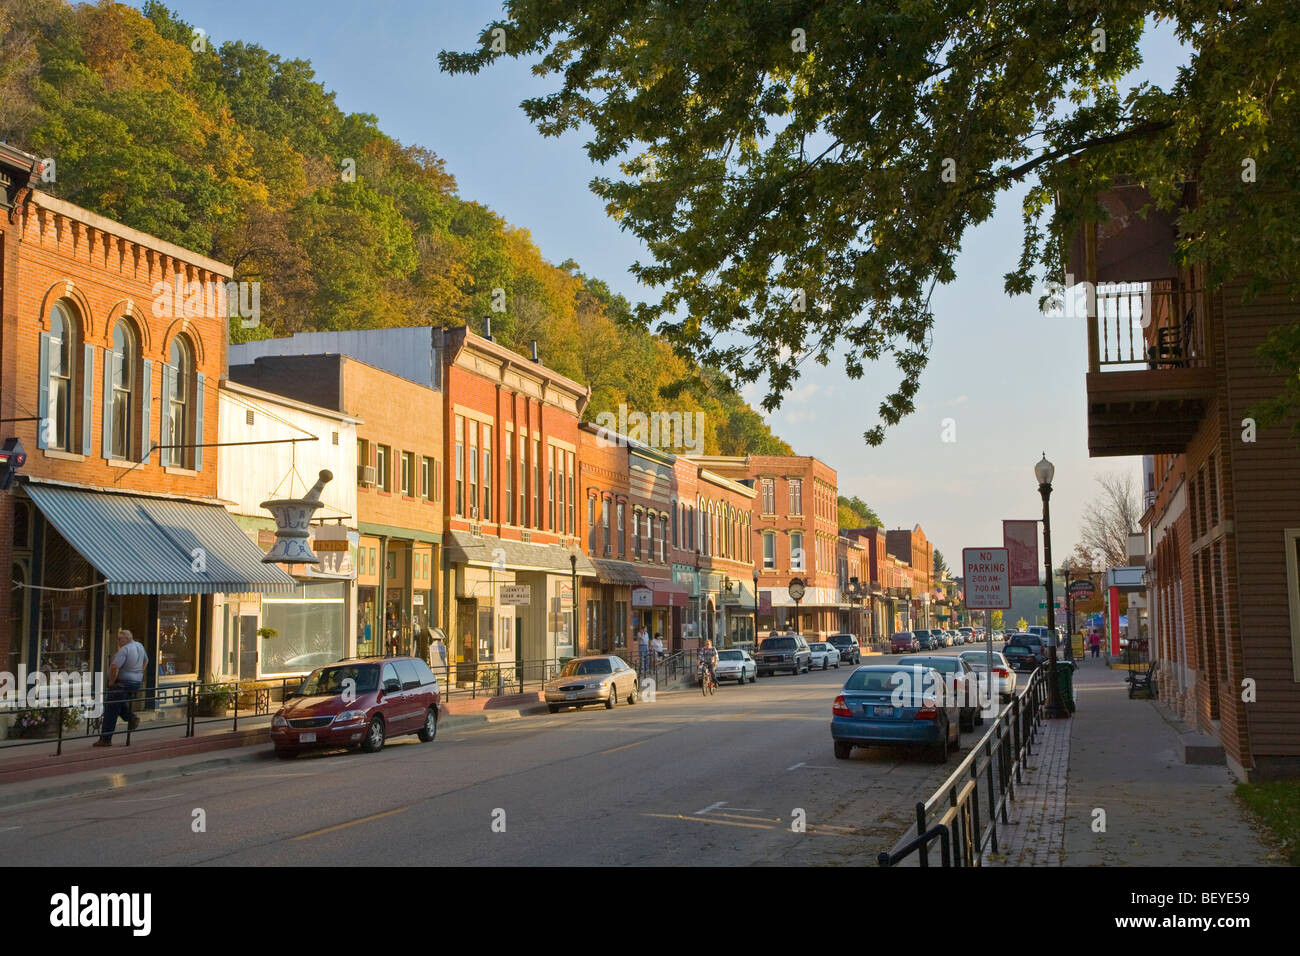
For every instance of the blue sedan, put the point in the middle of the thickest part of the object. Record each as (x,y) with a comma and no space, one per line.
(889,705)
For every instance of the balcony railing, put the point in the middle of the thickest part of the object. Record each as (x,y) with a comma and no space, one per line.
(1148,326)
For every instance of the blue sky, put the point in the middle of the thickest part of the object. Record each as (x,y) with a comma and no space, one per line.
(1011,380)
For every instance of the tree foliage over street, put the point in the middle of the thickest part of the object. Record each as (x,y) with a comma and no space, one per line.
(238,153)
(804,173)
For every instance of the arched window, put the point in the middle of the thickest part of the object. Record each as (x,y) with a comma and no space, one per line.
(61,388)
(122,393)
(182,407)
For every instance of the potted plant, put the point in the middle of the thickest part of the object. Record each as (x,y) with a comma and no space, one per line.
(214,699)
(32,722)
(266,633)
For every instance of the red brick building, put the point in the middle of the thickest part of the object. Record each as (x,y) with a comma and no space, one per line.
(512,504)
(604,516)
(795,519)
(111,345)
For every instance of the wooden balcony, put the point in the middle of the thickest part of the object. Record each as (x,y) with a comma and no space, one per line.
(1150,373)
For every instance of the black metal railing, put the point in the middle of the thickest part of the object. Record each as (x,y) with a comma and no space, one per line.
(965,811)
(185,707)
(1150,325)
(495,678)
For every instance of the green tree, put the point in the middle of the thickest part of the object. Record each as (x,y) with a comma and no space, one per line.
(804,174)
(995,621)
(940,565)
(856,513)
(1021,624)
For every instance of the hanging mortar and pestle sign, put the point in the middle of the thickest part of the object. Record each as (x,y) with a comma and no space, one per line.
(293,525)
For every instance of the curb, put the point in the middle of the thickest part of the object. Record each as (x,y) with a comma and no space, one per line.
(121,780)
(246,753)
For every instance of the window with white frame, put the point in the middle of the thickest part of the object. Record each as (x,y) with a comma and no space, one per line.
(769,551)
(796,551)
(796,496)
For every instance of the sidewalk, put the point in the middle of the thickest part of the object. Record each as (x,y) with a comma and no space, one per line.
(1107,788)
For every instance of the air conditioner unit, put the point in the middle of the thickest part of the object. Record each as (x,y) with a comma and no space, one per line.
(366,475)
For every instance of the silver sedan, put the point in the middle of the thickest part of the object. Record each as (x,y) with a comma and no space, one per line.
(592,680)
(737,665)
(825,655)
(1004,678)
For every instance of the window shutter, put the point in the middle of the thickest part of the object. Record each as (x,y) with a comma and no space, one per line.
(165,418)
(106,431)
(198,421)
(43,403)
(146,406)
(87,396)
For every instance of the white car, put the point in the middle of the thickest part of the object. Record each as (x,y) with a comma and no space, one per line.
(824,655)
(1004,678)
(737,665)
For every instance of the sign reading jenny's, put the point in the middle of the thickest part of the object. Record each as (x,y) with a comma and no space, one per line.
(988,582)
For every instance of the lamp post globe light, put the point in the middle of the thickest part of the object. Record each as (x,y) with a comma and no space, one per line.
(1044,471)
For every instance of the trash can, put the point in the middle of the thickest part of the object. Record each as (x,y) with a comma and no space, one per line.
(1065,683)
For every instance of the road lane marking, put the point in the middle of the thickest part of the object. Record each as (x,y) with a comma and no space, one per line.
(614,750)
(711,806)
(732,816)
(795,767)
(352,823)
(713,820)
(6,829)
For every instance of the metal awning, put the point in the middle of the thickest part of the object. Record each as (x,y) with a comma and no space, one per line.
(617,573)
(154,545)
(489,551)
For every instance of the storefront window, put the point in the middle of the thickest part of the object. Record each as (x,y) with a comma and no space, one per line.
(308,626)
(178,635)
(66,614)
(367,626)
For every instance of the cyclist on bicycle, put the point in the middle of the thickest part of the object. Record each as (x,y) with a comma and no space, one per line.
(708,657)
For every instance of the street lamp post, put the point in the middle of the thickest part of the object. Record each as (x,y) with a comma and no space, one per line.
(1044,471)
(573,608)
(755,635)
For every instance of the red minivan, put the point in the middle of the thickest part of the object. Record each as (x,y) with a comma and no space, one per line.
(358,703)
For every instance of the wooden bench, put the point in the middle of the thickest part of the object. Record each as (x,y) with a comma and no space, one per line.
(1144,682)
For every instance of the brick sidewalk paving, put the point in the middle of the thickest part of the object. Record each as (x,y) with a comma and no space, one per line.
(1035,832)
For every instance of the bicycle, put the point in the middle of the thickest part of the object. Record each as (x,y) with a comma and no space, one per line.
(708,683)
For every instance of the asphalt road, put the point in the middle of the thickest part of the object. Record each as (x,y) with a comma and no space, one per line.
(744,777)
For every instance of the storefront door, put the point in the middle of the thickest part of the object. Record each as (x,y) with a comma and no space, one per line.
(247,646)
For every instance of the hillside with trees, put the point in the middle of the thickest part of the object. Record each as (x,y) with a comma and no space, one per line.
(230,150)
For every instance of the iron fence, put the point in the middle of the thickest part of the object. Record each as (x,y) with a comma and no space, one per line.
(963,814)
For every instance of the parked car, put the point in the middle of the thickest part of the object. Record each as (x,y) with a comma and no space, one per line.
(958,638)
(848,646)
(929,640)
(1004,678)
(1022,657)
(358,703)
(737,665)
(960,680)
(824,655)
(779,652)
(605,679)
(864,714)
(970,634)
(904,642)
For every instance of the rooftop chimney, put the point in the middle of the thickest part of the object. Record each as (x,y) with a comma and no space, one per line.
(535,358)
(487,328)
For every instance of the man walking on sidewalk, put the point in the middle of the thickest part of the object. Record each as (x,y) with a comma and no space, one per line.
(1094,641)
(125,675)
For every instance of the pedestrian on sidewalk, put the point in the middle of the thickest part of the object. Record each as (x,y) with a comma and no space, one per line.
(1094,641)
(125,676)
(643,647)
(657,647)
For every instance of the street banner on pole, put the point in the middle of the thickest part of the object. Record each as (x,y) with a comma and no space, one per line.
(987,578)
(1020,538)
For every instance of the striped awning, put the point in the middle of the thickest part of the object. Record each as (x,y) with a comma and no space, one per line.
(158,545)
